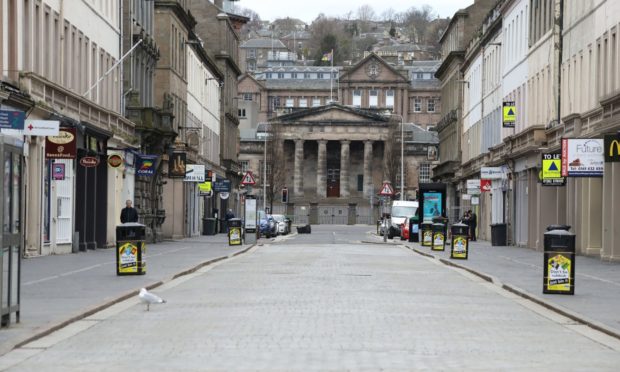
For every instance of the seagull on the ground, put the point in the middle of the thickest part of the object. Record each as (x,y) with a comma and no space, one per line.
(149,298)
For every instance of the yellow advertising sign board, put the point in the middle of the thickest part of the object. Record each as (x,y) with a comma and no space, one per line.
(551,169)
(509,114)
(128,257)
(204,186)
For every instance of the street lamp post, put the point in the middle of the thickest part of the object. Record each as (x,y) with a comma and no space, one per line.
(402,156)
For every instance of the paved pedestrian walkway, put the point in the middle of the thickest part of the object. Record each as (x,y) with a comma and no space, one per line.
(61,288)
(597,284)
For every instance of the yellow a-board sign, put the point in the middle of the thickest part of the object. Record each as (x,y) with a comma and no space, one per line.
(509,115)
(559,273)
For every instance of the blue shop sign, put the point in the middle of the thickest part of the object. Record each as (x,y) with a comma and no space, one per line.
(12,119)
(221,186)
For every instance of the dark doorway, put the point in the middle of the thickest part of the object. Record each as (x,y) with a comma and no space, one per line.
(333,169)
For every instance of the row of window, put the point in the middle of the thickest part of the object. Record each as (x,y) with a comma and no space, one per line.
(424,173)
(300,75)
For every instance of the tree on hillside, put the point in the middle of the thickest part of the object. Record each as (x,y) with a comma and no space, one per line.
(327,34)
(417,21)
(388,15)
(252,26)
(366,15)
(392,152)
(276,178)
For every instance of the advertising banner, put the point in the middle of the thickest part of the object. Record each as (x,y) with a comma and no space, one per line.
(432,205)
(62,146)
(145,165)
(485,185)
(221,186)
(558,273)
(58,171)
(582,157)
(492,173)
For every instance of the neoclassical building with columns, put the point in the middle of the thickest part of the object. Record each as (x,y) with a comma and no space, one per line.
(333,157)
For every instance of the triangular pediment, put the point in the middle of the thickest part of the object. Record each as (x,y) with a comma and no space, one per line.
(333,113)
(373,68)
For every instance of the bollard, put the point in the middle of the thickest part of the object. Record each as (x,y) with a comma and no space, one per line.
(559,262)
(234,231)
(460,241)
(427,233)
(439,237)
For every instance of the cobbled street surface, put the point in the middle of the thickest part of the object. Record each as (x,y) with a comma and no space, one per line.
(324,301)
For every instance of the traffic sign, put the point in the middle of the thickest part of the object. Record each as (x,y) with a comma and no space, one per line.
(386,189)
(248,179)
(510,114)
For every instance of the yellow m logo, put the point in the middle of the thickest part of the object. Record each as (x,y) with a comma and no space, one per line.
(615,143)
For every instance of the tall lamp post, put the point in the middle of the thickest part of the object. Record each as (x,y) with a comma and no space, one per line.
(402,156)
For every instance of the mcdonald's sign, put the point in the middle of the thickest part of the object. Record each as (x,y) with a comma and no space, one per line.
(612,148)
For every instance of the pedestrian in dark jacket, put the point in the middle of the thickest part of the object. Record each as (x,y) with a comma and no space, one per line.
(473,223)
(129,213)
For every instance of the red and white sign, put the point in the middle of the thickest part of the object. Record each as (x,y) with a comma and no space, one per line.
(89,161)
(248,179)
(485,185)
(386,189)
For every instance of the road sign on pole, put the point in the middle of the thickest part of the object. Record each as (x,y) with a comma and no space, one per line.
(386,189)
(248,179)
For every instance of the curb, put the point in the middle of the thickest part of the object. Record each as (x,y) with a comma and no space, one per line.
(577,317)
(114,301)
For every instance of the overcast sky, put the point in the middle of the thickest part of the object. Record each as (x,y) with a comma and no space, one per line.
(308,10)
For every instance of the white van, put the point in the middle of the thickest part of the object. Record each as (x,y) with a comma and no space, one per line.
(401,209)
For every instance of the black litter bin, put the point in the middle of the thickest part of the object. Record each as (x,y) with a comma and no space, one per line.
(208,226)
(559,262)
(426,228)
(234,231)
(130,249)
(558,227)
(498,234)
(414,229)
(460,241)
(439,236)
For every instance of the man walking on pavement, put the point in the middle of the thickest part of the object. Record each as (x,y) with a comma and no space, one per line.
(129,213)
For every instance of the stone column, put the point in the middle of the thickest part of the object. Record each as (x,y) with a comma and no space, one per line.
(298,181)
(344,168)
(321,169)
(368,189)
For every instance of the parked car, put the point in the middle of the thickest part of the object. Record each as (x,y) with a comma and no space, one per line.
(268,227)
(404,230)
(400,210)
(283,226)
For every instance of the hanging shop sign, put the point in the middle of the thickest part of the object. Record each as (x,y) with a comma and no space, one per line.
(145,165)
(224,195)
(115,160)
(582,157)
(62,146)
(473,184)
(221,186)
(485,185)
(551,172)
(177,165)
(612,148)
(205,189)
(475,200)
(58,171)
(492,173)
(89,161)
(194,173)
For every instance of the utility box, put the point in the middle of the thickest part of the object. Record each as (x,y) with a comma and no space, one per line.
(234,231)
(130,249)
(498,234)
(427,233)
(439,237)
(559,262)
(414,229)
(460,241)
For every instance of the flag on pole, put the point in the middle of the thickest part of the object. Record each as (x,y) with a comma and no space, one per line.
(328,56)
